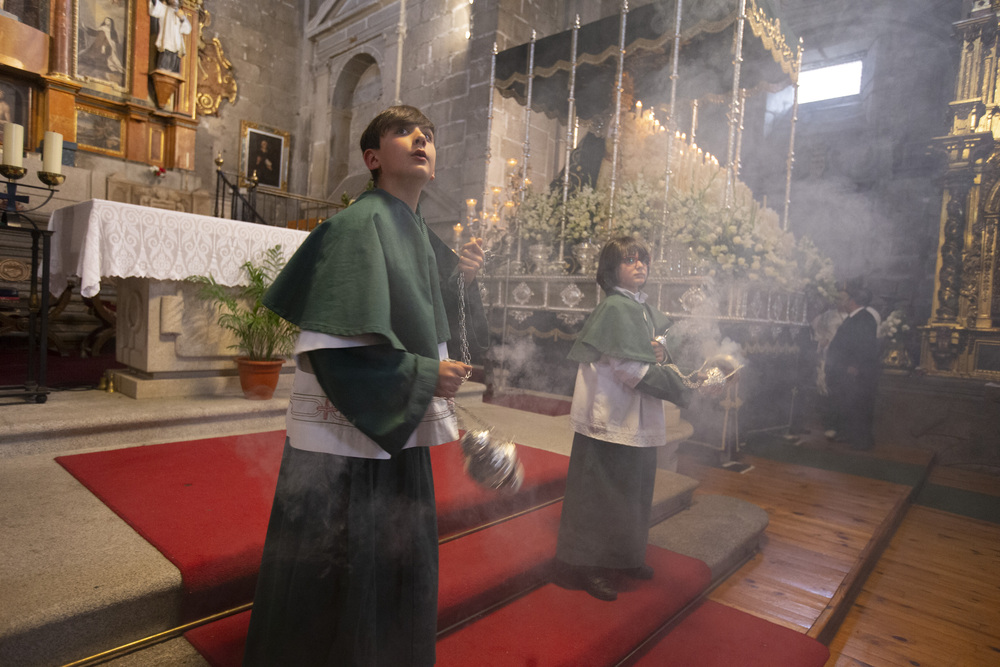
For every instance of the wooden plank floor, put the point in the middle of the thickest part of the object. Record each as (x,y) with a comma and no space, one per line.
(821,523)
(932,597)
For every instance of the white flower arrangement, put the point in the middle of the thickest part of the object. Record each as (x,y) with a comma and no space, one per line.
(538,216)
(586,213)
(740,242)
(638,208)
(894,327)
(746,242)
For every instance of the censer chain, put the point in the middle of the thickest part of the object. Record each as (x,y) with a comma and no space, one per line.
(466,356)
(463,334)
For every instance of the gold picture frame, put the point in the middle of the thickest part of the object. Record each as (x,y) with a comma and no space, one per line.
(15,105)
(102,48)
(264,150)
(100,131)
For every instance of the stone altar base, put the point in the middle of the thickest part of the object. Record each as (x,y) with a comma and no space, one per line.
(140,385)
(958,419)
(170,341)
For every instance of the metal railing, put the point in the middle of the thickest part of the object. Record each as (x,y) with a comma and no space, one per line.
(266,206)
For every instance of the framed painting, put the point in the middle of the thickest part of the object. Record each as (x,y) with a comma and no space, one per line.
(264,151)
(15,104)
(100,131)
(101,41)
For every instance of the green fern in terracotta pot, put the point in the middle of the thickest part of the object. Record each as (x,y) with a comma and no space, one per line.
(263,338)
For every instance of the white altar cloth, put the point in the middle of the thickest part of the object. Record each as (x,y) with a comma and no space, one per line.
(100,238)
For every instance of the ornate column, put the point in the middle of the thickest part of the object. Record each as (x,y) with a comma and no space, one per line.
(59,95)
(962,337)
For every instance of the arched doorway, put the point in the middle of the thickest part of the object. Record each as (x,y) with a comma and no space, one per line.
(357,97)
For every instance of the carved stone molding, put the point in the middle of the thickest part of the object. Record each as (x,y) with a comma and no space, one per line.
(14,270)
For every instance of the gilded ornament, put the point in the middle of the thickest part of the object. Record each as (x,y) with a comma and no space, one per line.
(769,33)
(216,81)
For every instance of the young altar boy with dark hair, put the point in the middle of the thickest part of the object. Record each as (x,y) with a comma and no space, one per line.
(617,419)
(349,574)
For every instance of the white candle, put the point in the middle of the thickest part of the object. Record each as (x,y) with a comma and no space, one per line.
(13,144)
(52,153)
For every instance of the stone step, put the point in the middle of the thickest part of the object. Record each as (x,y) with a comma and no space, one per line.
(76,421)
(98,585)
(722,532)
(88,581)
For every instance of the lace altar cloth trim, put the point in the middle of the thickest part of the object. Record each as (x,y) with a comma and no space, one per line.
(98,238)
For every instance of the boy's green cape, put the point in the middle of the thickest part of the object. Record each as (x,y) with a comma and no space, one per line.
(374,268)
(619,327)
(623,328)
(368,270)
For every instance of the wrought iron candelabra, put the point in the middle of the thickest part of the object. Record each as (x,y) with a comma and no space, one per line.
(13,174)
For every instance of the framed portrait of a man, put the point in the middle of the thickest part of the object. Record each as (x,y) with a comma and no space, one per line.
(264,152)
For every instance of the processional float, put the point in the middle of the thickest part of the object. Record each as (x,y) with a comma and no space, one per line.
(636,47)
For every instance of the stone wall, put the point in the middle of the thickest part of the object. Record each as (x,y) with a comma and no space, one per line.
(865,186)
(957,419)
(264,42)
(445,72)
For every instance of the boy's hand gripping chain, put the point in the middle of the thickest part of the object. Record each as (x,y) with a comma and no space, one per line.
(491,464)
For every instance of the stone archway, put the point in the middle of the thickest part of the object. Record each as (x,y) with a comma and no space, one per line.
(356,98)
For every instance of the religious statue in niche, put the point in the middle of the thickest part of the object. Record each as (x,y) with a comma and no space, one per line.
(170,24)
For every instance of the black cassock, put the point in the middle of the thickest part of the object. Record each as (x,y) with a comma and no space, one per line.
(853,394)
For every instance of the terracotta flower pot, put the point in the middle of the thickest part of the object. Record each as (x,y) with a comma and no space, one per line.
(258,379)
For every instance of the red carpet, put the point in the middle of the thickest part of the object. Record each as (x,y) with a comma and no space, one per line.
(221,643)
(550,626)
(553,627)
(715,635)
(543,405)
(712,636)
(486,567)
(463,504)
(477,571)
(204,504)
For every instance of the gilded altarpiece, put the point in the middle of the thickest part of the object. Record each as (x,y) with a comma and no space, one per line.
(97,80)
(962,338)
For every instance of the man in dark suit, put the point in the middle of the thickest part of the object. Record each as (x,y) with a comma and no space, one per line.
(852,372)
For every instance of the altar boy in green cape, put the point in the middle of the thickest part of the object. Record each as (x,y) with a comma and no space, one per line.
(350,568)
(617,417)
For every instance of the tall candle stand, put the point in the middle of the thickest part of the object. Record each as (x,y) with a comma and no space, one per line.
(38,299)
(13,175)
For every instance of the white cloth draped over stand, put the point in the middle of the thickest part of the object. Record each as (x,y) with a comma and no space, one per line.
(98,238)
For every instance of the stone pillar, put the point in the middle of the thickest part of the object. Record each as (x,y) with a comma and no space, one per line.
(61,35)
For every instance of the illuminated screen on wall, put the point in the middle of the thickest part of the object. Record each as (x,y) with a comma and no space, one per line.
(828,83)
